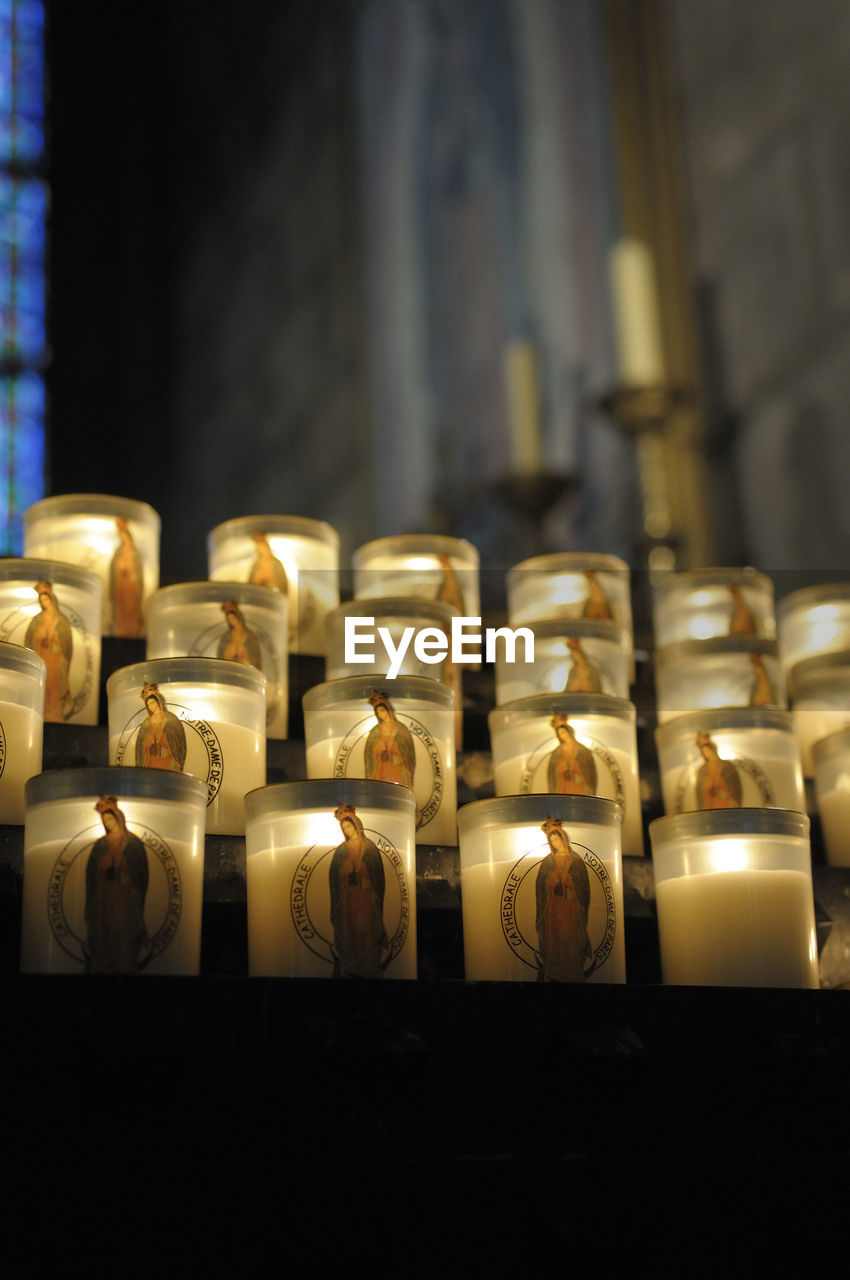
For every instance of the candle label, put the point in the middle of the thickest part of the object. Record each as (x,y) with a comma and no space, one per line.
(159,741)
(583,676)
(597,604)
(350,903)
(236,641)
(557,908)
(741,620)
(126,579)
(267,570)
(762,686)
(58,634)
(388,748)
(721,782)
(573,767)
(114,897)
(449,590)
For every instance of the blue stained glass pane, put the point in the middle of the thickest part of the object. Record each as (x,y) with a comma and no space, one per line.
(23,212)
(22,402)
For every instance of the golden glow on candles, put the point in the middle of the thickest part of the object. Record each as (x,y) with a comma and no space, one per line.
(300,895)
(734,898)
(537,907)
(76,918)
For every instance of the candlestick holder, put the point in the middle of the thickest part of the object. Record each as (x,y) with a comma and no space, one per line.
(643,412)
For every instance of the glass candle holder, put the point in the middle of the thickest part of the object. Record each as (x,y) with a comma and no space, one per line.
(732,758)
(572,584)
(571,744)
(331,880)
(116,538)
(201,716)
(819,690)
(355,646)
(734,897)
(730,671)
(227,620)
(542,889)
(401,732)
(425,565)
(113,872)
(578,656)
(831,758)
(23,675)
(707,603)
(291,554)
(54,609)
(813,621)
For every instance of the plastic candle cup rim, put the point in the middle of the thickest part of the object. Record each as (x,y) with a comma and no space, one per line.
(281,798)
(357,690)
(125,782)
(415,544)
(91,504)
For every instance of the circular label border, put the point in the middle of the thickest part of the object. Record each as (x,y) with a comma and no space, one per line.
(357,733)
(519,946)
(687,780)
(85,840)
(205,731)
(307,931)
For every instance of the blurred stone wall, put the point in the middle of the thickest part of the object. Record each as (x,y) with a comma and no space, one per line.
(765,101)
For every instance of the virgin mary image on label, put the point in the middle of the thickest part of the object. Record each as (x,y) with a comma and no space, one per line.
(126,585)
(49,635)
(389,753)
(116,887)
(718,782)
(357,884)
(563,903)
(584,676)
(572,769)
(161,740)
(239,643)
(267,570)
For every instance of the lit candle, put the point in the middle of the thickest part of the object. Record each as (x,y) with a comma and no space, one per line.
(571,743)
(819,689)
(542,890)
(731,758)
(728,671)
(427,565)
(570,656)
(831,758)
(22,680)
(734,898)
(571,584)
(228,620)
(707,603)
(813,622)
(331,880)
(200,716)
(523,405)
(401,731)
(54,609)
(636,314)
(294,555)
(113,872)
(116,538)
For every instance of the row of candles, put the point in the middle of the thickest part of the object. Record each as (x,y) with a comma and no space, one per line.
(331,861)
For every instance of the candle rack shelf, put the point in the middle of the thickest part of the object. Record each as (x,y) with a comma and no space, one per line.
(270,1105)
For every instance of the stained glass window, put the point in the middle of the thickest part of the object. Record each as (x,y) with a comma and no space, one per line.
(23,220)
